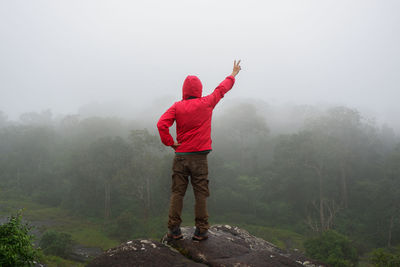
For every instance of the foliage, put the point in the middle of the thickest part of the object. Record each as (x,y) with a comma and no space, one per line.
(332,248)
(382,258)
(56,243)
(311,169)
(55,261)
(284,239)
(16,247)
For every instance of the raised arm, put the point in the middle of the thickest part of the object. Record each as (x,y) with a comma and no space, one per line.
(224,86)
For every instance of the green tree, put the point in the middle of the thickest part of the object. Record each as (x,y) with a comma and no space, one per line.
(389,196)
(242,138)
(332,248)
(94,170)
(145,166)
(16,248)
(56,243)
(319,165)
(382,258)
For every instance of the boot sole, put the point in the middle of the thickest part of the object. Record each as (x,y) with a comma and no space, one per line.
(175,237)
(199,238)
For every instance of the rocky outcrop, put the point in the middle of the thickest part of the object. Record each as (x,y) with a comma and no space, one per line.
(142,253)
(232,246)
(226,246)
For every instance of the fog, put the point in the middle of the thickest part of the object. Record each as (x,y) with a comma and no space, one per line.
(123,57)
(306,143)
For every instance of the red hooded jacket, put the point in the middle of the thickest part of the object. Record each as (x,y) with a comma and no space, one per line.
(193,116)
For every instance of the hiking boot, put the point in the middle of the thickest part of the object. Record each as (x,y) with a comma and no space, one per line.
(198,236)
(175,233)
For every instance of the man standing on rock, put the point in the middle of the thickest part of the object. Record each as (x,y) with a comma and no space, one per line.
(193,129)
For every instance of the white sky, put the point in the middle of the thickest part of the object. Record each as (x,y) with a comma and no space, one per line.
(64,54)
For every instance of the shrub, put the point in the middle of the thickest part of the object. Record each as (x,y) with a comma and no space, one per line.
(56,243)
(382,258)
(16,248)
(332,248)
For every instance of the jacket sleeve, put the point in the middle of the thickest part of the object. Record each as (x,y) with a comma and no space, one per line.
(166,121)
(220,91)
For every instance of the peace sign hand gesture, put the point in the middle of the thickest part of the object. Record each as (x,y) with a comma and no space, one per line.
(236,68)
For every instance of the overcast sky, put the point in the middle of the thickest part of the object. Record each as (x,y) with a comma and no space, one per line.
(60,55)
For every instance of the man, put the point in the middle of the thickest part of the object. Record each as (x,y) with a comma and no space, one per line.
(193,128)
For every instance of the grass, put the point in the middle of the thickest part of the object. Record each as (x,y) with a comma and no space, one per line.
(83,230)
(54,261)
(11,206)
(284,239)
(90,235)
(90,232)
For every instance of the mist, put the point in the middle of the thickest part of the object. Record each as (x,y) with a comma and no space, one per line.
(126,55)
(306,142)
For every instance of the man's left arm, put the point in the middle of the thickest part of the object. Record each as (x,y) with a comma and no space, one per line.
(224,86)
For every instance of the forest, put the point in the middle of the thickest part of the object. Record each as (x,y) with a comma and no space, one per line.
(308,172)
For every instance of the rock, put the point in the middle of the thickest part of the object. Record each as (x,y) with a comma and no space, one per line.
(142,253)
(226,246)
(232,246)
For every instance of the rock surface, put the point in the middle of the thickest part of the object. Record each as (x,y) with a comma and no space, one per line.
(142,253)
(226,246)
(232,246)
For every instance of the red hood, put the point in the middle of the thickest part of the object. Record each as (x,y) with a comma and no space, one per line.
(191,87)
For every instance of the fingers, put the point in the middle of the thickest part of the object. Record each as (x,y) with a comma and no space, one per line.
(236,64)
(236,67)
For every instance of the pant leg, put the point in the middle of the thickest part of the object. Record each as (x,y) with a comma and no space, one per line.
(198,166)
(178,190)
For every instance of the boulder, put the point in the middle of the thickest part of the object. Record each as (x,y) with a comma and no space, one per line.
(232,246)
(225,246)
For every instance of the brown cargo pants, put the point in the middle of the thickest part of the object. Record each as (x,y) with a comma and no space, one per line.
(195,166)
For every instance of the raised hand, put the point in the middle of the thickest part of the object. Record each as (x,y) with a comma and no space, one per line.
(236,68)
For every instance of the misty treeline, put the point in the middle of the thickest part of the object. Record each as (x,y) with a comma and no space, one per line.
(308,171)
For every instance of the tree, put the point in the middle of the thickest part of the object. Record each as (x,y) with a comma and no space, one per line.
(146,154)
(107,157)
(390,193)
(44,118)
(92,170)
(331,148)
(302,163)
(56,243)
(16,247)
(241,134)
(332,248)
(383,258)
(349,134)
